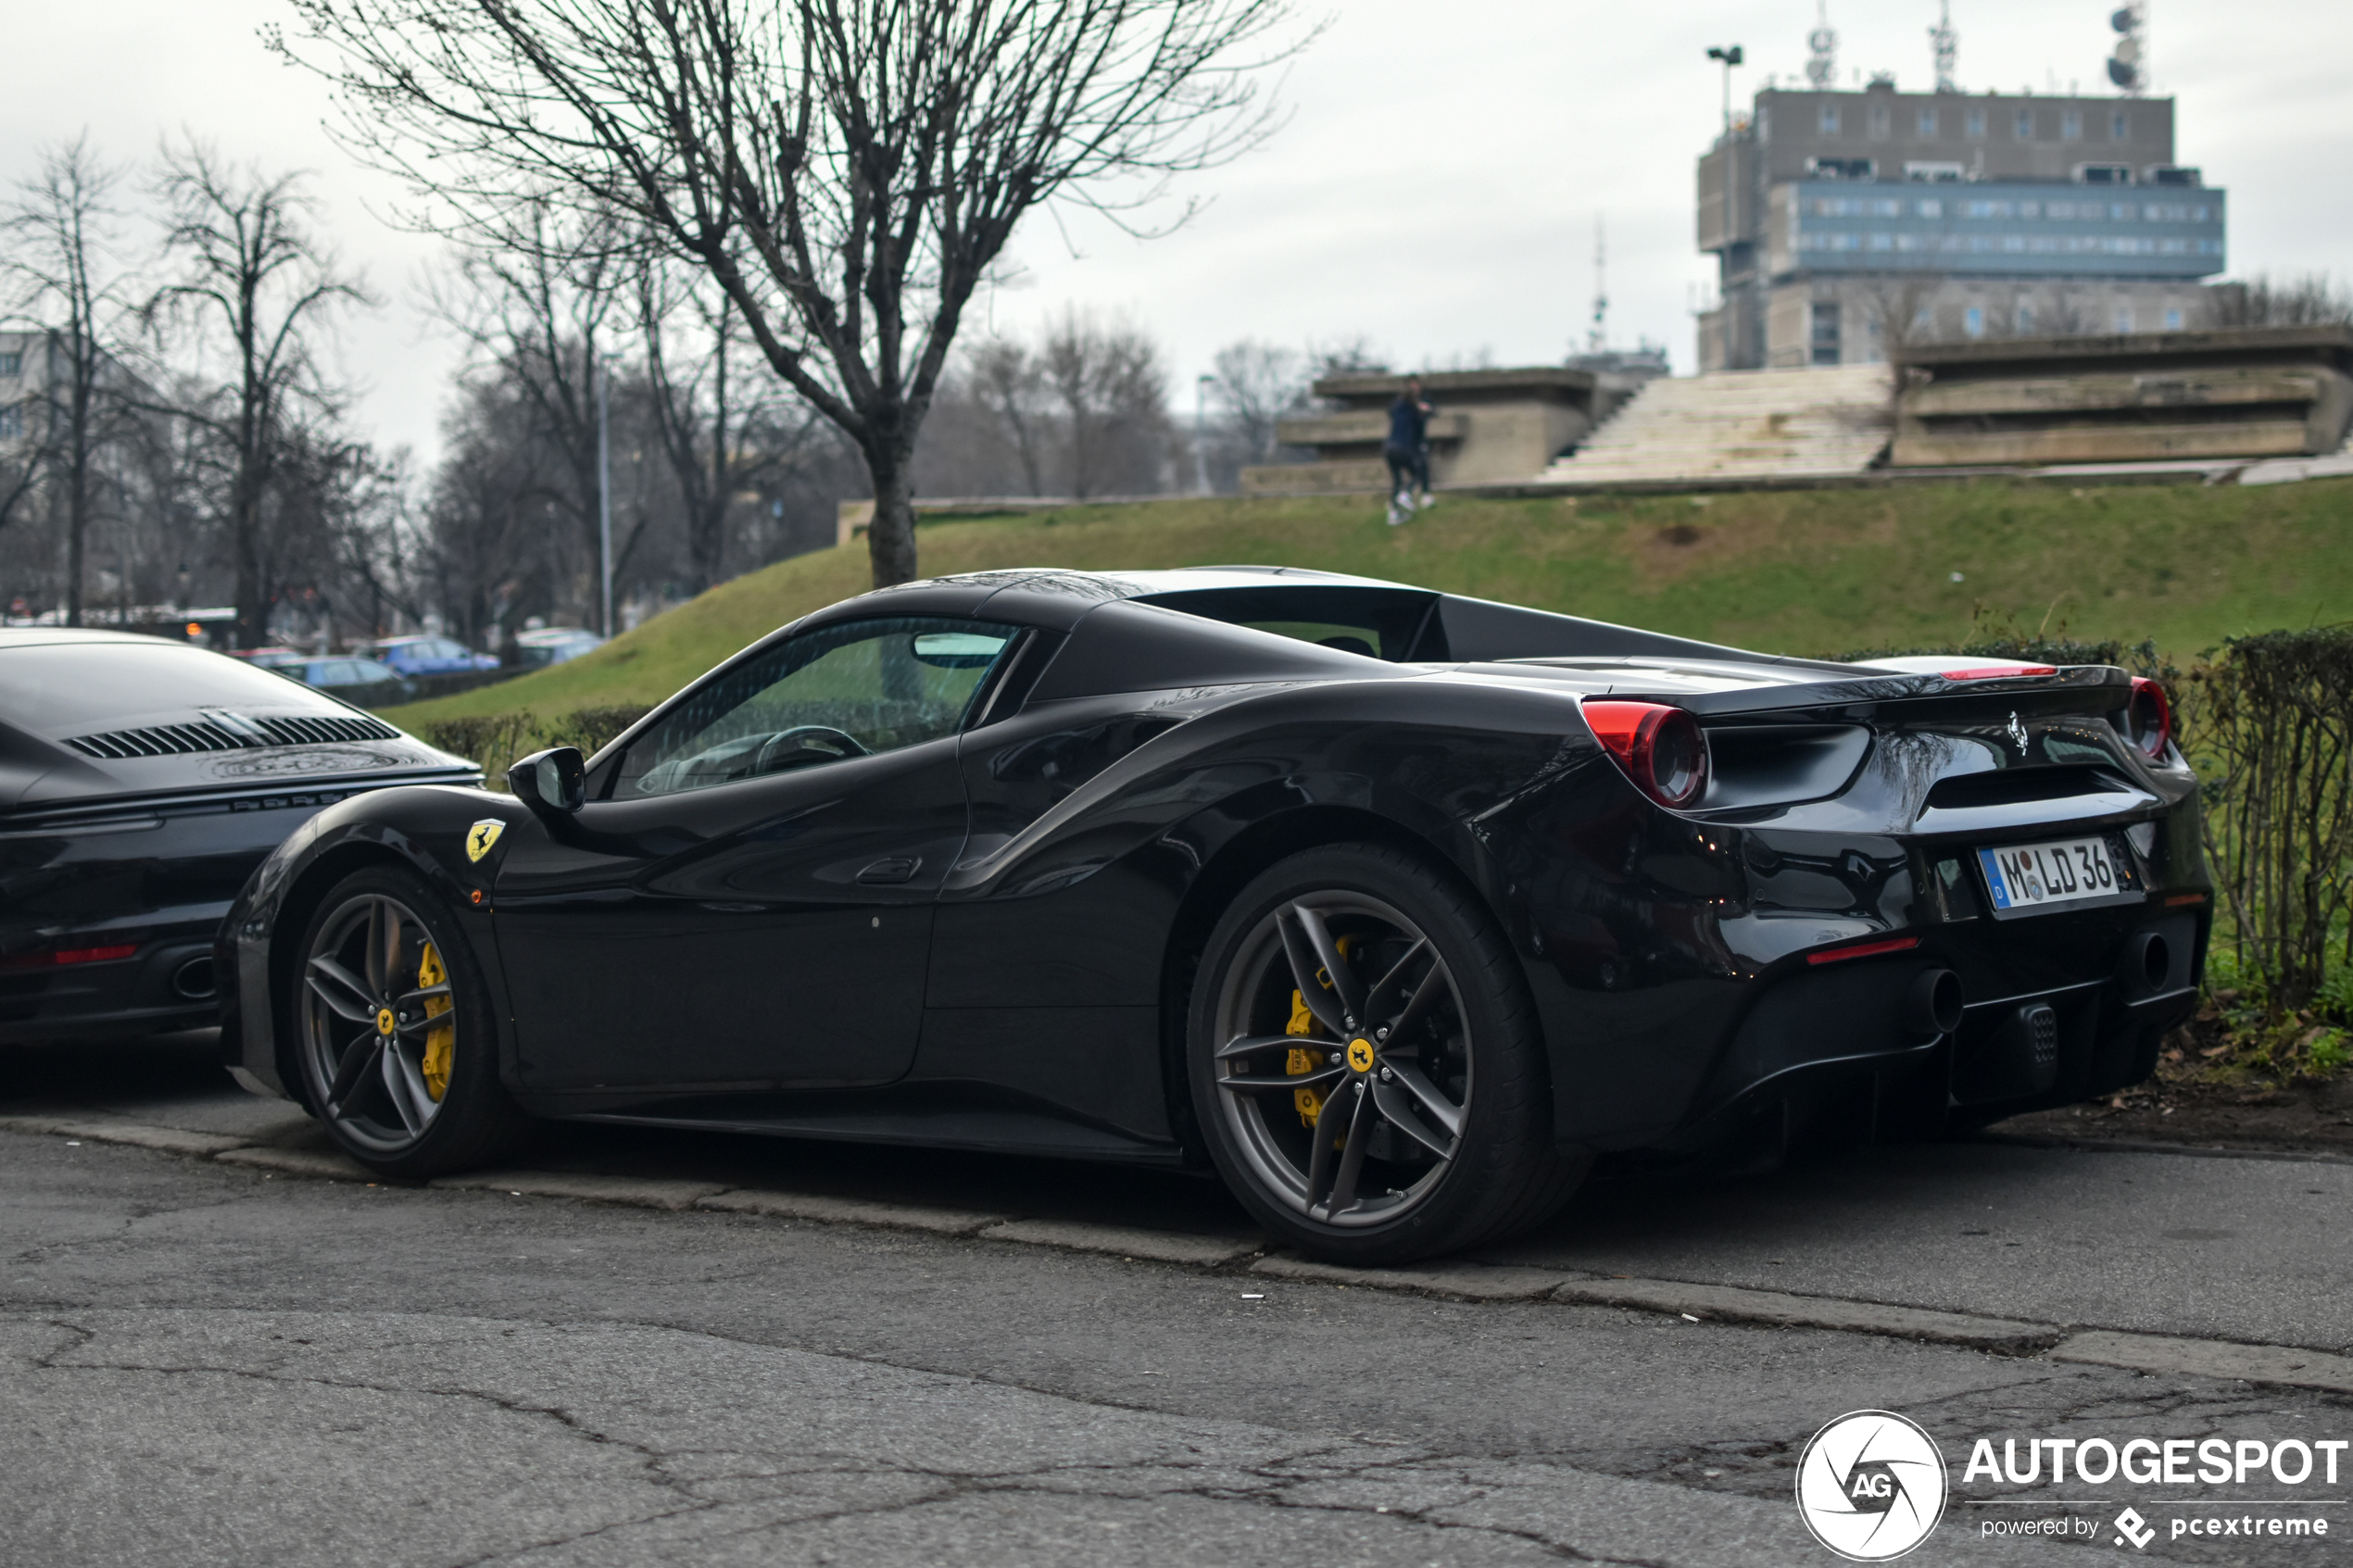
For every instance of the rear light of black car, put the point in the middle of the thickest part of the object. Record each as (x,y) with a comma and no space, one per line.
(111,953)
(1661,749)
(2149,718)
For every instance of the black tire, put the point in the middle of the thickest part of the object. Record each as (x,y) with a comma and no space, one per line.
(382,940)
(1447,1099)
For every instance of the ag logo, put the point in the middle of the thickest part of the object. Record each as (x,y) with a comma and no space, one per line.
(2018,733)
(482,836)
(1871,1485)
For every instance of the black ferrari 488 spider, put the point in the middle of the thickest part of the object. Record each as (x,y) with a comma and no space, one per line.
(141,782)
(1395,907)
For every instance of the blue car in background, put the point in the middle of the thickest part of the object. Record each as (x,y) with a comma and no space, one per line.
(427,654)
(362,680)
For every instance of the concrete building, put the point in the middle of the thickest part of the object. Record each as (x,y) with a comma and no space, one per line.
(1490,426)
(23,359)
(1846,224)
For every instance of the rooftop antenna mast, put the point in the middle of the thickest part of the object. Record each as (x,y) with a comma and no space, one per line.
(1597,339)
(1821,61)
(1947,45)
(2128,65)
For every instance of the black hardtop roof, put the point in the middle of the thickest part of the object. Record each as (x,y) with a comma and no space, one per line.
(1057,599)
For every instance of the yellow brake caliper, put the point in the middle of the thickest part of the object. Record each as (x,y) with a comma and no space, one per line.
(1310,1103)
(1303,1022)
(440,1043)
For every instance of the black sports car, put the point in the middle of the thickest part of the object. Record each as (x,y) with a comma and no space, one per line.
(1395,906)
(141,783)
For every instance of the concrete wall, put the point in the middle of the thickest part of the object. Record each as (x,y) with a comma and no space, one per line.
(1490,426)
(2247,393)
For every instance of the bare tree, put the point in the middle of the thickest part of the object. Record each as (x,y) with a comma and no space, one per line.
(1257,383)
(546,300)
(723,425)
(67,280)
(255,286)
(1112,399)
(2314,300)
(847,170)
(1006,381)
(1902,305)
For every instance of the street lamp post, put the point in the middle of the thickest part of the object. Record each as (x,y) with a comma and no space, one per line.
(1201,424)
(1731,55)
(604,487)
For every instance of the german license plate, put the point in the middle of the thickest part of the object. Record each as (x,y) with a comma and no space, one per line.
(2037,876)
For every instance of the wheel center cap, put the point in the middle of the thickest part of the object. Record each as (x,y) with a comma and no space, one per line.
(1360,1054)
(383,1021)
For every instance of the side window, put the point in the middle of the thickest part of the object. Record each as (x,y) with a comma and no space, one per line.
(841,691)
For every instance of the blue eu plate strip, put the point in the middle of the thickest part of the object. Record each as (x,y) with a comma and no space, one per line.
(2002,900)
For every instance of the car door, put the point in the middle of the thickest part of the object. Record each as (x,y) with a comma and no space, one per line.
(749,906)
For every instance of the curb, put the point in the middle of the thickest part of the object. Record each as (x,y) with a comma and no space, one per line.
(2282,1365)
(1726,1303)
(2151,1146)
(2209,1358)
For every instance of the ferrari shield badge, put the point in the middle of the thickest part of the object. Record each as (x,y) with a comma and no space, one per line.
(482,836)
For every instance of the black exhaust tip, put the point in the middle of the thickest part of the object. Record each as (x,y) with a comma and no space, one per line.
(195,979)
(2146,964)
(1932,1006)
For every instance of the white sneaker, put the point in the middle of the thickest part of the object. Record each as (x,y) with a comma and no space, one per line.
(1397,512)
(1429,500)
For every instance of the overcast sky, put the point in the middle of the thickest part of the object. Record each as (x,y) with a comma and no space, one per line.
(1435,190)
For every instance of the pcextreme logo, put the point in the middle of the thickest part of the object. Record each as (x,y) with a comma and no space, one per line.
(1871,1485)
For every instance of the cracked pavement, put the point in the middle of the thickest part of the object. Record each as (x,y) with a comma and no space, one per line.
(202,1365)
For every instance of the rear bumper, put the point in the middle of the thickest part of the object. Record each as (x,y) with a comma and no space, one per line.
(171,983)
(2053,1012)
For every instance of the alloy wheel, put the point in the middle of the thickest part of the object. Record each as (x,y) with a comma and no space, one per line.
(1345,1070)
(379,1025)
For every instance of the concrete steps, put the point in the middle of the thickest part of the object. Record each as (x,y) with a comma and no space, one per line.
(1741,424)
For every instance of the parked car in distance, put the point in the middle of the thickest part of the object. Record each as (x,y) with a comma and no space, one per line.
(555,645)
(268,657)
(141,782)
(365,681)
(426,656)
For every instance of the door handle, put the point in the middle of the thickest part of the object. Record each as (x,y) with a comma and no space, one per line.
(896,869)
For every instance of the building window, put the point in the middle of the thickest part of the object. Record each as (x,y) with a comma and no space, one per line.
(12,421)
(2120,126)
(1826,336)
(1927,125)
(1973,125)
(2024,129)
(1829,120)
(1932,209)
(11,364)
(1879,118)
(1973,322)
(2172,320)
(2123,318)
(2025,318)
(2071,125)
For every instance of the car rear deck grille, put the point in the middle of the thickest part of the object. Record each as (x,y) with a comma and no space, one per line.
(184,740)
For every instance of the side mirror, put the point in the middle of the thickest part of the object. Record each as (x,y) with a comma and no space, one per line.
(552,783)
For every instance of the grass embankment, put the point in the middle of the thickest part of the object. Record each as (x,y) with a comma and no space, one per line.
(1800,571)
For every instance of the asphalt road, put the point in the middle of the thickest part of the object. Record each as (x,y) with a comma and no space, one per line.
(202,1363)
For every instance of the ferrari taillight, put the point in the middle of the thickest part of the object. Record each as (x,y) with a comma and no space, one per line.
(2148,717)
(1662,749)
